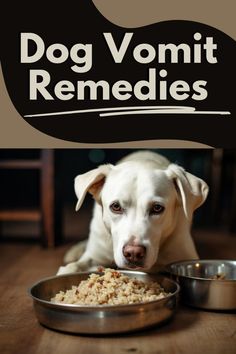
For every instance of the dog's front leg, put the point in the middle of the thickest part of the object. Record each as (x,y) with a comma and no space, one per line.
(99,248)
(96,254)
(83,264)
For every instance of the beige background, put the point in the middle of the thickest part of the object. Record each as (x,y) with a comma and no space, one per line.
(15,132)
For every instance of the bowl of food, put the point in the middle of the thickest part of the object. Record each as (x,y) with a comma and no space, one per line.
(208,284)
(104,302)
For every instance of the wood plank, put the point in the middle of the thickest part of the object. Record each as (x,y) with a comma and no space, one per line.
(20,164)
(20,215)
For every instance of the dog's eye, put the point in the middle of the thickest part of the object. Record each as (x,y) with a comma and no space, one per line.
(116,208)
(156,209)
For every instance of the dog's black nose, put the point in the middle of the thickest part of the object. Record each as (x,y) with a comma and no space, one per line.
(134,253)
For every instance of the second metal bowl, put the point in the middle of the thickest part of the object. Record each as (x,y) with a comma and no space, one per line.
(200,289)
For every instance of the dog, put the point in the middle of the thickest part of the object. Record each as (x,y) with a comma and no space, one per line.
(142,215)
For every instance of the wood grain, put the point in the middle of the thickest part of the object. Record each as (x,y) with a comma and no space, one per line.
(191,331)
(20,164)
(20,215)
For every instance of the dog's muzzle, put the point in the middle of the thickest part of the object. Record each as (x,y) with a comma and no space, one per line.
(134,255)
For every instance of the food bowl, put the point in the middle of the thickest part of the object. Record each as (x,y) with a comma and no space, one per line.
(208,284)
(101,319)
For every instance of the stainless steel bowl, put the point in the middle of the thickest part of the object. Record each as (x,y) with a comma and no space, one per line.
(103,318)
(198,289)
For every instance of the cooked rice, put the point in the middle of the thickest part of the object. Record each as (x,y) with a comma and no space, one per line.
(110,288)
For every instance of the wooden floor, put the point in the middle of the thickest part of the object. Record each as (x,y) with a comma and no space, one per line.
(191,331)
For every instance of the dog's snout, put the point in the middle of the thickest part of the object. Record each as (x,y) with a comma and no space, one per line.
(134,253)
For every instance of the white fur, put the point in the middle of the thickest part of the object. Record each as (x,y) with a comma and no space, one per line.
(136,182)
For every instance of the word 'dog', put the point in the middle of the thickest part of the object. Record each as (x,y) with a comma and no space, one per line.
(57,53)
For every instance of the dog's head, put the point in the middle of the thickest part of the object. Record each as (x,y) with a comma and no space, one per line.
(141,206)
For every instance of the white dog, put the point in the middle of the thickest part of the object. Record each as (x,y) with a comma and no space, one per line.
(142,215)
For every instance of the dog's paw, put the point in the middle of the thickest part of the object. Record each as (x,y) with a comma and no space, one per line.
(69,268)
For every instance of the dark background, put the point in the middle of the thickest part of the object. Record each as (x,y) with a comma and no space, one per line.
(20,188)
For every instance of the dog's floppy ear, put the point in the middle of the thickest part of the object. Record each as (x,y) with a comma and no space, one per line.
(192,190)
(91,182)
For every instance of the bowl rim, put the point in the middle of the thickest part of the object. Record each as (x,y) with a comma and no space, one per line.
(103,307)
(192,261)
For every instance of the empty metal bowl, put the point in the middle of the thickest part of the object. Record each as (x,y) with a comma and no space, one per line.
(208,284)
(101,319)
